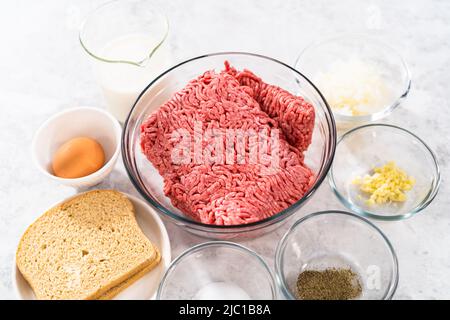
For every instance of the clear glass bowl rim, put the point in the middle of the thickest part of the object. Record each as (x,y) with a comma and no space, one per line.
(98,56)
(389,108)
(326,165)
(209,244)
(282,245)
(426,201)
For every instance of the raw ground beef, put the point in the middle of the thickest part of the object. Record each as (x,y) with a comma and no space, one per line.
(231,194)
(294,115)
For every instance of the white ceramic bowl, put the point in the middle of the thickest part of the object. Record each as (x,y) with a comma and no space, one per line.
(83,121)
(146,287)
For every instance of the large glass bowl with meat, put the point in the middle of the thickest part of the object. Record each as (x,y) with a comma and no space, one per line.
(229,145)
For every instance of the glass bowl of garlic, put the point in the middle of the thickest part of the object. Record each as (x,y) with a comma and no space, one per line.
(361,78)
(384,172)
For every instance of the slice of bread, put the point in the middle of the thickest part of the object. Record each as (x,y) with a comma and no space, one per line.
(111,293)
(86,248)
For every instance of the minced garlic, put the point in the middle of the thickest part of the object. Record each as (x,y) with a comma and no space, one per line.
(388,184)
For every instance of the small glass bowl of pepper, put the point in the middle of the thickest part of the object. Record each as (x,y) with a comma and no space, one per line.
(336,255)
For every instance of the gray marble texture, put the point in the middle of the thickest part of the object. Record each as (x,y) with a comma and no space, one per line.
(43,70)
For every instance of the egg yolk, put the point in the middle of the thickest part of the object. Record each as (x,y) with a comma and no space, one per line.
(78,158)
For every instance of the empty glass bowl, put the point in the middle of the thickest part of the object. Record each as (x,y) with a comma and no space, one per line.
(363,148)
(217,270)
(149,183)
(355,65)
(337,239)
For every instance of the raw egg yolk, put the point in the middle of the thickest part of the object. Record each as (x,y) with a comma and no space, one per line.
(78,158)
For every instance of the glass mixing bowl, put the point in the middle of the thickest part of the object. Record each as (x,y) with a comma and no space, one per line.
(217,270)
(147,179)
(352,50)
(361,149)
(337,239)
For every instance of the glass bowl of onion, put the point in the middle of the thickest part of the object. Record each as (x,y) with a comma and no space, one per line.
(362,79)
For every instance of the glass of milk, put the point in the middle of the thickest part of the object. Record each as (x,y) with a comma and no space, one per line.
(127,40)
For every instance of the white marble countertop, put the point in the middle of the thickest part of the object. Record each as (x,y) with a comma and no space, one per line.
(43,70)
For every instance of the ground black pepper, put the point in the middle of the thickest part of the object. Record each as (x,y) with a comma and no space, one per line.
(328,284)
